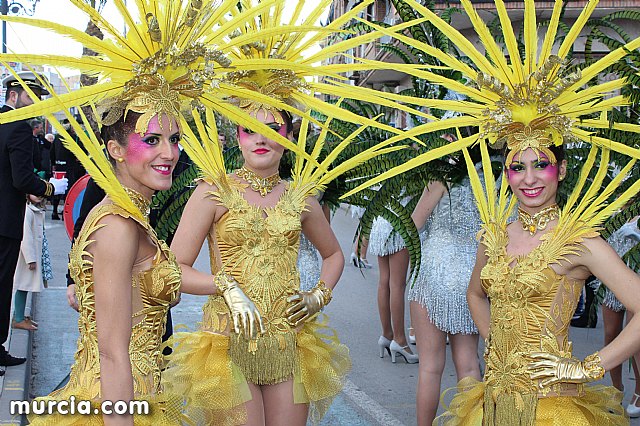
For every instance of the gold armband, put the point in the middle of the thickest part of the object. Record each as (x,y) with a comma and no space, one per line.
(327,293)
(593,366)
(223,282)
(50,188)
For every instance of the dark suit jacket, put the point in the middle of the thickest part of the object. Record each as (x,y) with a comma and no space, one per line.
(16,175)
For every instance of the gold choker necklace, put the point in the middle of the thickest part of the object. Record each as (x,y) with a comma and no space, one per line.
(139,200)
(261,185)
(538,221)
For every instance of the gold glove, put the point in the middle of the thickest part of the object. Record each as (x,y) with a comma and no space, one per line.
(241,307)
(306,304)
(553,369)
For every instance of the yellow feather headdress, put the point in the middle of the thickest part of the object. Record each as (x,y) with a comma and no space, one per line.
(525,104)
(217,55)
(170,56)
(274,71)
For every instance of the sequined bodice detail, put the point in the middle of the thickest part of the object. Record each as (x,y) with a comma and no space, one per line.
(258,247)
(152,292)
(531,309)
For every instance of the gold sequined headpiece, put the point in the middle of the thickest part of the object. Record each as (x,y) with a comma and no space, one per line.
(272,83)
(161,64)
(276,84)
(526,115)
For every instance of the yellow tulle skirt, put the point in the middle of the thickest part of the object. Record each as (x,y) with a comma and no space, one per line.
(215,389)
(600,405)
(164,410)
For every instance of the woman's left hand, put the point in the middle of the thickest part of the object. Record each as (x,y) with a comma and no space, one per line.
(306,304)
(552,369)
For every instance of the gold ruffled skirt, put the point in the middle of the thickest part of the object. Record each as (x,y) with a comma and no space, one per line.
(215,389)
(164,410)
(600,405)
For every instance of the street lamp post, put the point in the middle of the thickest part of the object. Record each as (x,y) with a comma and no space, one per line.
(14,8)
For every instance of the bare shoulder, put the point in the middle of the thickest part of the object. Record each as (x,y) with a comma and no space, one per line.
(438,187)
(115,236)
(312,206)
(205,186)
(597,246)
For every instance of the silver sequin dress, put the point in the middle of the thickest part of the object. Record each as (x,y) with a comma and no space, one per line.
(383,240)
(308,264)
(448,255)
(621,242)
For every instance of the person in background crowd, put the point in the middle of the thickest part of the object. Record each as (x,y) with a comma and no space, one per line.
(16,180)
(41,150)
(613,313)
(62,160)
(28,276)
(393,262)
(438,304)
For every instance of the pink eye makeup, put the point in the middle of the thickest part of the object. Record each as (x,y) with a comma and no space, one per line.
(138,145)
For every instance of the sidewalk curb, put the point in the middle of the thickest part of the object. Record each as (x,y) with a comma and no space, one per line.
(17,379)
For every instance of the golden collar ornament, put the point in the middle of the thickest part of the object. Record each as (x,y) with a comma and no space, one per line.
(538,221)
(140,201)
(259,184)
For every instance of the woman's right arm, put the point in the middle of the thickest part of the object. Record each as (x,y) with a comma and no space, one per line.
(427,202)
(114,250)
(477,298)
(196,222)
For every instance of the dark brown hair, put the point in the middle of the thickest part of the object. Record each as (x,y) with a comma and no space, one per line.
(119,131)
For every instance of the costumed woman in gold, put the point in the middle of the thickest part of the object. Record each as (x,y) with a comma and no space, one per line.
(264,354)
(126,278)
(529,273)
(258,325)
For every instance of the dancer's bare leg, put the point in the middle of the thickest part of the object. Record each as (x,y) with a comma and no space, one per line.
(431,343)
(464,351)
(384,307)
(255,407)
(398,265)
(279,408)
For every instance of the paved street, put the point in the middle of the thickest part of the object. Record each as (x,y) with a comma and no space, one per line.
(377,393)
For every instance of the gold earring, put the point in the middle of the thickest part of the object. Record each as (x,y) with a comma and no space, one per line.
(561,178)
(120,160)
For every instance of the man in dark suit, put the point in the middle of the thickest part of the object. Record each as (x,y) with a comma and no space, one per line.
(17,179)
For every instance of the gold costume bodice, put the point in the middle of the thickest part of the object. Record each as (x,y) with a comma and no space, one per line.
(531,310)
(259,248)
(152,292)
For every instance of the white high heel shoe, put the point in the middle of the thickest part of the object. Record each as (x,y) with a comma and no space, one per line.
(632,409)
(412,336)
(396,349)
(359,263)
(384,344)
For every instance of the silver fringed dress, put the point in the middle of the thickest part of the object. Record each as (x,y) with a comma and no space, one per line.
(448,254)
(383,240)
(622,240)
(308,264)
